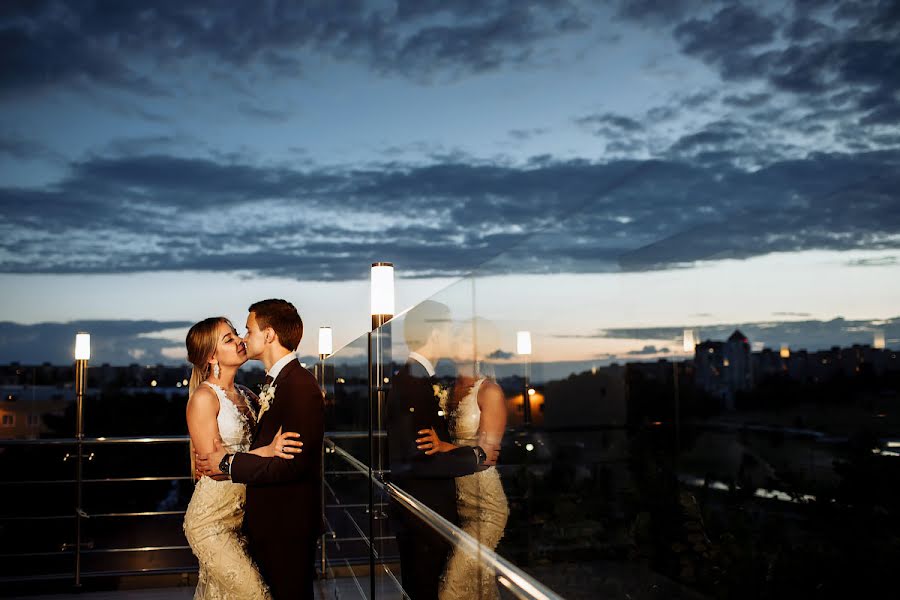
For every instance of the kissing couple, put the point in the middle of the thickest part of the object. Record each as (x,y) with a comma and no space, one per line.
(256,511)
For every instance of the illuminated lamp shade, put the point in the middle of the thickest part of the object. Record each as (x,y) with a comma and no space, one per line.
(691,339)
(325,341)
(523,343)
(382,292)
(83,346)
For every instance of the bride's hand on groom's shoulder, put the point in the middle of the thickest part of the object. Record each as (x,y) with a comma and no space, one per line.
(285,445)
(431,443)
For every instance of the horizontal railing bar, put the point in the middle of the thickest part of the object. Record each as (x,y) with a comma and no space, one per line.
(102,480)
(336,540)
(149,513)
(134,479)
(138,549)
(159,439)
(33,554)
(37,518)
(123,573)
(95,551)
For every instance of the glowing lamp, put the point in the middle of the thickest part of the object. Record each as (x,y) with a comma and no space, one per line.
(325,342)
(382,291)
(523,343)
(83,346)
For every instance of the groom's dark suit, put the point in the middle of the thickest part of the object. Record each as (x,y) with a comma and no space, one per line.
(412,406)
(283,516)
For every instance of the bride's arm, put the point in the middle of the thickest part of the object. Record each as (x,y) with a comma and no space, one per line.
(202,410)
(492,424)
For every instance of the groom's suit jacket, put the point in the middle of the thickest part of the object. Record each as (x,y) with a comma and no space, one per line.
(283,514)
(412,406)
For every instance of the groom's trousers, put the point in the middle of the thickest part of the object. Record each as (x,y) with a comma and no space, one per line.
(288,568)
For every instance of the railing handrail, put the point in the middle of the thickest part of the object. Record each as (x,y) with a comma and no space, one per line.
(508,574)
(156,439)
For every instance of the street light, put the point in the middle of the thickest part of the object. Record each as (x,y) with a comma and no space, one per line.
(691,339)
(523,348)
(82,356)
(382,311)
(523,343)
(325,350)
(325,342)
(382,293)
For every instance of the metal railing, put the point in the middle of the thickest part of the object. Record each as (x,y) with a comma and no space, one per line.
(80,547)
(511,577)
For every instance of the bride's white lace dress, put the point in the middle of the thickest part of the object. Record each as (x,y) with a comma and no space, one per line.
(483,511)
(212,523)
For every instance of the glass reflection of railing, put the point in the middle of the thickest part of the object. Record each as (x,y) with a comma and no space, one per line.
(512,578)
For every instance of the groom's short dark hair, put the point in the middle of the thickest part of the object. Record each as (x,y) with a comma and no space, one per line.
(422,320)
(282,317)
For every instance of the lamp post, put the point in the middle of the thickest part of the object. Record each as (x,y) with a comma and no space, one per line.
(326,348)
(523,348)
(82,356)
(382,310)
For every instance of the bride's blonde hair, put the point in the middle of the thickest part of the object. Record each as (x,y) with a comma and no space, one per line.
(201,344)
(201,341)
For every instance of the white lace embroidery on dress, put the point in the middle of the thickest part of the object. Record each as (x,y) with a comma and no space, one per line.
(212,522)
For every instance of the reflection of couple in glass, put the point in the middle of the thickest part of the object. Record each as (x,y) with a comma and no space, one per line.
(444,439)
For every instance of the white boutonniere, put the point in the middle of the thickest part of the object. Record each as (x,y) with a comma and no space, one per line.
(266,395)
(443,395)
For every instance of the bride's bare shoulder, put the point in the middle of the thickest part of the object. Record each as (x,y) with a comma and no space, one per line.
(490,391)
(202,398)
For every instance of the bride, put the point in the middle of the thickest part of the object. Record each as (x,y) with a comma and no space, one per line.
(219,409)
(477,417)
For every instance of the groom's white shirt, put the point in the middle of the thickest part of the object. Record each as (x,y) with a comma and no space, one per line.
(280,364)
(423,361)
(274,371)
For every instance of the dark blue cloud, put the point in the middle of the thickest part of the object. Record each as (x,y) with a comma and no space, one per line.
(48,43)
(135,214)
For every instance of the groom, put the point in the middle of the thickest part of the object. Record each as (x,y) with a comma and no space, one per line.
(283,514)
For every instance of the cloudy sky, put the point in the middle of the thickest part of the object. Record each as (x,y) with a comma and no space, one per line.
(164,161)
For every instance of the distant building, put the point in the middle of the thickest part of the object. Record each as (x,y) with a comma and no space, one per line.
(724,368)
(23,408)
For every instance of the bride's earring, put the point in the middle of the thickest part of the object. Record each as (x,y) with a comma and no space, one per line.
(216,370)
